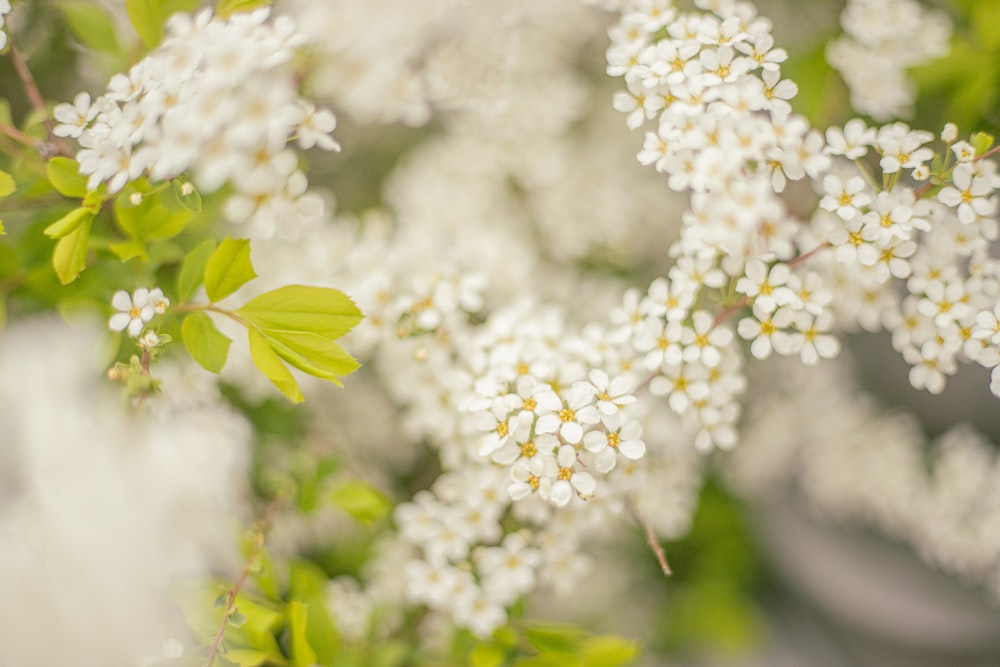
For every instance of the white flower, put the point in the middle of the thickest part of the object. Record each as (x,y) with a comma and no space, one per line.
(569,479)
(816,344)
(766,330)
(612,393)
(702,340)
(136,310)
(620,438)
(765,288)
(852,142)
(844,198)
(576,412)
(969,194)
(74,118)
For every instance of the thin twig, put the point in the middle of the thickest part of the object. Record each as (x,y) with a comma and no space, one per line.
(30,86)
(20,137)
(38,102)
(261,529)
(657,549)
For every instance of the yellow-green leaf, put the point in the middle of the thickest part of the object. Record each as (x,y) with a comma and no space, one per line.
(147,19)
(64,174)
(269,363)
(69,223)
(312,354)
(192,272)
(362,501)
(227,8)
(129,250)
(608,651)
(298,623)
(228,268)
(150,219)
(187,195)
(245,657)
(487,655)
(7,185)
(554,636)
(319,310)
(207,345)
(91,25)
(70,255)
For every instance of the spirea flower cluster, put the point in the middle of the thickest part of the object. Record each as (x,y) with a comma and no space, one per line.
(814,432)
(903,260)
(217,98)
(883,39)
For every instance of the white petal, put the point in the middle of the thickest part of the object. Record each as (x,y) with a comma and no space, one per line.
(119,321)
(632,449)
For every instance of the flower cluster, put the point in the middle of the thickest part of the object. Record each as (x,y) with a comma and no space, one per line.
(904,261)
(816,434)
(217,98)
(723,130)
(883,39)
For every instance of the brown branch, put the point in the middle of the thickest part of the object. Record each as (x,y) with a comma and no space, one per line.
(261,529)
(20,137)
(38,102)
(657,549)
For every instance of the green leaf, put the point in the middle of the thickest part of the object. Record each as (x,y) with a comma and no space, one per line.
(608,651)
(69,223)
(187,195)
(245,657)
(487,655)
(308,588)
(207,345)
(982,142)
(320,310)
(228,268)
(192,270)
(7,185)
(70,255)
(129,250)
(91,25)
(298,622)
(64,174)
(554,637)
(147,19)
(2,230)
(269,363)
(312,354)
(227,8)
(149,220)
(362,501)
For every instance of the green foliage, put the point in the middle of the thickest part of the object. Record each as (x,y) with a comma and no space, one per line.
(207,345)
(230,7)
(64,175)
(297,325)
(192,271)
(92,25)
(709,607)
(362,501)
(317,310)
(228,268)
(149,16)
(154,218)
(70,255)
(269,363)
